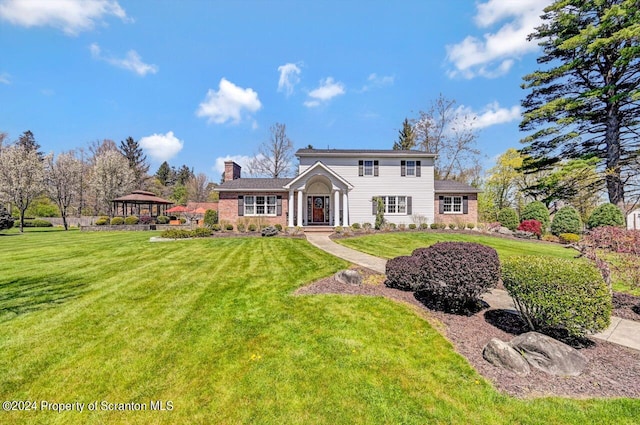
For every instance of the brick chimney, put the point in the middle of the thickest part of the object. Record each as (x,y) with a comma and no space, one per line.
(231,171)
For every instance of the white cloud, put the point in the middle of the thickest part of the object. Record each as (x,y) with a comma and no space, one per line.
(228,103)
(241,160)
(5,78)
(494,54)
(161,147)
(72,16)
(289,77)
(376,80)
(132,62)
(491,115)
(327,90)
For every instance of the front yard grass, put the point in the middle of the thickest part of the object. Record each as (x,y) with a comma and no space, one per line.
(212,326)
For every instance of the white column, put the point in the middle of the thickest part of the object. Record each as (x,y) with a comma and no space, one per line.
(345,209)
(336,208)
(300,212)
(290,209)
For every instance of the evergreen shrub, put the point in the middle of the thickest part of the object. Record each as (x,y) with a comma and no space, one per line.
(606,215)
(508,218)
(566,220)
(536,210)
(131,220)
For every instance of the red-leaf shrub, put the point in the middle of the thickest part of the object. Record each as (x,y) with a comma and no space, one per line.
(532,226)
(615,239)
(455,274)
(402,273)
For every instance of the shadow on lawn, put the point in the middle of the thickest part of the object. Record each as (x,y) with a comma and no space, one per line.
(21,296)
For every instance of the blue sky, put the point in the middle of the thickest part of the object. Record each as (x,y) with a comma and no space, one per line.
(197,82)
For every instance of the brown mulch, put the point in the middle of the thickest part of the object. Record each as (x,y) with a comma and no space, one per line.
(612,371)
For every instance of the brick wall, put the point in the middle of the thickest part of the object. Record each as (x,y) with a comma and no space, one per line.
(470,217)
(228,209)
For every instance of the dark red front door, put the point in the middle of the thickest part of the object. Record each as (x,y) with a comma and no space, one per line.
(318,209)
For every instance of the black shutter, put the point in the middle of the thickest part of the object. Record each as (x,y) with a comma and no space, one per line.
(279,205)
(441,205)
(374,205)
(465,205)
(403,168)
(409,206)
(375,168)
(361,168)
(240,206)
(418,173)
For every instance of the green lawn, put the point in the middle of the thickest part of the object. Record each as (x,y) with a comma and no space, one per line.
(211,326)
(390,245)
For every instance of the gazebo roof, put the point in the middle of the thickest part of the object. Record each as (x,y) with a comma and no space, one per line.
(142,197)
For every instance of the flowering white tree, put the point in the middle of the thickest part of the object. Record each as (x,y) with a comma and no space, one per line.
(111,177)
(63,179)
(21,177)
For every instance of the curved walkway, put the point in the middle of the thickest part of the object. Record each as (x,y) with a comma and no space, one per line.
(621,331)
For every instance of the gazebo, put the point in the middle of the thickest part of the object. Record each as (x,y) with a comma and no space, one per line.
(141,203)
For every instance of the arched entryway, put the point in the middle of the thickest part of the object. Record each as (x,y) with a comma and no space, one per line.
(318,200)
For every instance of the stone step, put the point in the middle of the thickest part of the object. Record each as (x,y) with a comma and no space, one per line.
(318,229)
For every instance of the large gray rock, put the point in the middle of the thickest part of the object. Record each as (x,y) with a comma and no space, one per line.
(269,231)
(502,354)
(549,355)
(349,277)
(504,231)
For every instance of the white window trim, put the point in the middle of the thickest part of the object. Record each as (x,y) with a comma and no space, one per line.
(385,201)
(453,204)
(266,205)
(364,168)
(407,168)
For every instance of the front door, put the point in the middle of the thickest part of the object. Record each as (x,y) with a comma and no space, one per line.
(318,209)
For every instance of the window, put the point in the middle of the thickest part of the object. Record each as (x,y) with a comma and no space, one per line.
(395,204)
(368,168)
(260,205)
(411,168)
(452,204)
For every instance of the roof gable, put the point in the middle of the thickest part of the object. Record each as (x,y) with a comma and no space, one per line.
(318,165)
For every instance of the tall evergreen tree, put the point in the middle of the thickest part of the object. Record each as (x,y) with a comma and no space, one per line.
(406,137)
(28,142)
(137,160)
(586,99)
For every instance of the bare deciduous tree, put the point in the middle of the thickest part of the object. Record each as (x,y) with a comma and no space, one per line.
(21,177)
(448,132)
(111,177)
(274,157)
(63,181)
(198,188)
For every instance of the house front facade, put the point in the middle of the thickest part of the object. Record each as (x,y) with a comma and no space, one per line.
(339,187)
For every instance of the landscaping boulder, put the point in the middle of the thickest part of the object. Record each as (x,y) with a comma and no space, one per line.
(502,354)
(549,355)
(269,231)
(504,231)
(349,277)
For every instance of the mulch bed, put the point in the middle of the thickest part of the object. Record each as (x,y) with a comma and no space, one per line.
(612,371)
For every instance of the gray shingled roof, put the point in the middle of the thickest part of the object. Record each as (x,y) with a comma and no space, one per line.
(451,186)
(308,152)
(258,183)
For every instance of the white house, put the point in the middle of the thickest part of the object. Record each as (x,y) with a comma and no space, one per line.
(633,220)
(339,187)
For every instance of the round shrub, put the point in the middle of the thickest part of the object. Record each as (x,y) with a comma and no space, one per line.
(566,220)
(558,293)
(278,227)
(412,226)
(131,220)
(338,229)
(252,227)
(536,210)
(102,221)
(117,221)
(508,218)
(201,232)
(367,226)
(216,227)
(471,226)
(183,220)
(355,226)
(455,274)
(606,215)
(531,226)
(567,238)
(6,220)
(425,226)
(433,225)
(241,227)
(403,272)
(145,219)
(229,227)
(452,226)
(162,219)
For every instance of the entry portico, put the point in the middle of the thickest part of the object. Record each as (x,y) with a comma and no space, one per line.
(322,197)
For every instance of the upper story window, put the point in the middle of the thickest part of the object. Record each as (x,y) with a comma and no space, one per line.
(410,168)
(368,167)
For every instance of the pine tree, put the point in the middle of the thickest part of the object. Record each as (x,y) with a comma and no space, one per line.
(28,142)
(406,137)
(164,174)
(137,160)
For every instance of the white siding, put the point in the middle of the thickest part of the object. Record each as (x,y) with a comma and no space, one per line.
(633,220)
(388,182)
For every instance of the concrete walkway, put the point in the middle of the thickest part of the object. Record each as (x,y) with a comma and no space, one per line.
(621,331)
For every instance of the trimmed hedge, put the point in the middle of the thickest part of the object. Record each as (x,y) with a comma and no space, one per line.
(200,232)
(102,221)
(117,221)
(557,293)
(536,210)
(131,220)
(606,215)
(162,219)
(34,223)
(566,220)
(567,238)
(403,273)
(508,217)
